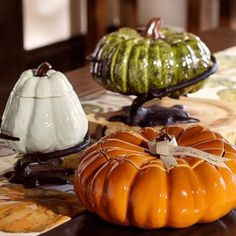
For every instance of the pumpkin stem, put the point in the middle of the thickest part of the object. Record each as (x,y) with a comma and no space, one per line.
(42,69)
(163,136)
(153,29)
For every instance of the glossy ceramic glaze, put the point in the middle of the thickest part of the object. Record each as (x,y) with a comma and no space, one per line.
(45,113)
(132,62)
(122,182)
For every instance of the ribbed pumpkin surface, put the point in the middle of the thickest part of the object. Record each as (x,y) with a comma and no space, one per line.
(123,183)
(130,63)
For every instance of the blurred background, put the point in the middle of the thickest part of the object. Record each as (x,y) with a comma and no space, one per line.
(63,32)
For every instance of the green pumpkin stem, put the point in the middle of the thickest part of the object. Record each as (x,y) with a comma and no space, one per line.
(152,29)
(43,69)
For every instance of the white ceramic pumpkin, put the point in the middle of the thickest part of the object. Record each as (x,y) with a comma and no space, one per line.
(44,112)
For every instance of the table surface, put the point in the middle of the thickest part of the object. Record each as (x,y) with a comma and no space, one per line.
(88,224)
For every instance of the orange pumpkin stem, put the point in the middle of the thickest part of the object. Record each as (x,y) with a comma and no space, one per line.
(42,69)
(153,29)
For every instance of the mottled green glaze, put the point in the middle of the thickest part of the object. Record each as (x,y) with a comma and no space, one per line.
(129,63)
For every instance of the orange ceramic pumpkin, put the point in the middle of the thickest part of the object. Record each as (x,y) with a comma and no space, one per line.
(122,182)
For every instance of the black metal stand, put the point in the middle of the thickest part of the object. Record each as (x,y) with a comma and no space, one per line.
(43,168)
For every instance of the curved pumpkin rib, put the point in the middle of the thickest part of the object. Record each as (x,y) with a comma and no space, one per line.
(137,65)
(230,187)
(181,62)
(210,144)
(155,162)
(199,64)
(182,162)
(131,137)
(113,57)
(169,67)
(145,208)
(194,134)
(152,70)
(120,65)
(186,199)
(110,168)
(214,190)
(120,143)
(89,150)
(231,163)
(219,136)
(230,153)
(194,62)
(176,131)
(229,148)
(116,151)
(203,49)
(84,175)
(118,187)
(192,162)
(215,147)
(96,194)
(143,66)
(137,160)
(85,159)
(186,160)
(141,162)
(127,75)
(148,133)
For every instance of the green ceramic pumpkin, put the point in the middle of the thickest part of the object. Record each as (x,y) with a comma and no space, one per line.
(130,62)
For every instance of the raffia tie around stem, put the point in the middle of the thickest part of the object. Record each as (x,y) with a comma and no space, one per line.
(169,151)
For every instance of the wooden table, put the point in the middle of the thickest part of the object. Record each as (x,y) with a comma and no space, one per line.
(88,224)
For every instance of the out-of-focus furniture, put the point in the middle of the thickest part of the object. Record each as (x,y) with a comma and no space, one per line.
(205,15)
(97,15)
(64,55)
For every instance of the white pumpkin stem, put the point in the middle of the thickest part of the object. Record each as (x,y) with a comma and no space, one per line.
(42,69)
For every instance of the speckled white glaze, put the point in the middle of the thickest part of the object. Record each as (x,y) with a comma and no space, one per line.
(45,113)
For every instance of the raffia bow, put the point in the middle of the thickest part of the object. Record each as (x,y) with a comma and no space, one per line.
(168,149)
